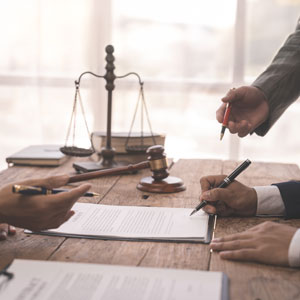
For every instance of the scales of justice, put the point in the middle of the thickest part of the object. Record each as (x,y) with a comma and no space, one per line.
(159,182)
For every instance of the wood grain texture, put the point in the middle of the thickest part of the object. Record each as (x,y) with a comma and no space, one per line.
(250,280)
(247,280)
(41,247)
(151,254)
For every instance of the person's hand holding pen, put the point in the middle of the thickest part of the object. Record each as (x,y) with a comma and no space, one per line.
(39,212)
(234,200)
(249,109)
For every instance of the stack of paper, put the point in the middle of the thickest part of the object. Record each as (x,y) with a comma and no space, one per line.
(136,223)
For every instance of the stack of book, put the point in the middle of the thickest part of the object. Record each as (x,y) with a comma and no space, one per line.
(118,140)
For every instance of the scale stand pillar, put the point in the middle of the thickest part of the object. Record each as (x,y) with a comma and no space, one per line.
(108,152)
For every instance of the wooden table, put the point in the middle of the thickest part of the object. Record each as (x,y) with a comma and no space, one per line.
(247,280)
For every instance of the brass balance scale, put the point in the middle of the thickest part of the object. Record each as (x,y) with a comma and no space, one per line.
(107,153)
(159,182)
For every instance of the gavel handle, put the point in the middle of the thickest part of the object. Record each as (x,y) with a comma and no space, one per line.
(114,171)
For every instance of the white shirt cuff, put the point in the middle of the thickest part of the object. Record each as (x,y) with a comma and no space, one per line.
(269,201)
(294,250)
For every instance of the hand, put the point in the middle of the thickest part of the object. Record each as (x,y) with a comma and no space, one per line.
(266,243)
(249,110)
(235,200)
(39,212)
(6,230)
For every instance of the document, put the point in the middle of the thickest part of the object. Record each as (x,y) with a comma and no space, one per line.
(48,280)
(135,222)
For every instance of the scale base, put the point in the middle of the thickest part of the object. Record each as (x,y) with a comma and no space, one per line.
(90,166)
(167,185)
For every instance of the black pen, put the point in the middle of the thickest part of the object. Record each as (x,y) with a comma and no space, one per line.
(226,182)
(38,190)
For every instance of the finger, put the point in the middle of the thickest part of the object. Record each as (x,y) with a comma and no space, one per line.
(232,126)
(232,237)
(48,182)
(217,194)
(210,209)
(234,94)
(207,182)
(240,255)
(11,230)
(230,96)
(3,231)
(223,210)
(56,181)
(67,199)
(220,113)
(233,245)
(259,226)
(243,128)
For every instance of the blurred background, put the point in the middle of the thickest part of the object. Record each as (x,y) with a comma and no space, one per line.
(189,54)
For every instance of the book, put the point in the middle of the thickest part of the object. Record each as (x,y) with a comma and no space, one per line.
(35,279)
(137,223)
(38,155)
(118,140)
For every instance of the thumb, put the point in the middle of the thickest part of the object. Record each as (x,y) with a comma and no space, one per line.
(234,94)
(48,182)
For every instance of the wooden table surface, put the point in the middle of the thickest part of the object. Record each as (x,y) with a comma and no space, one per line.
(247,280)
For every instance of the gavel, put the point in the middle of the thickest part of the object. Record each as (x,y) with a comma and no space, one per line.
(159,182)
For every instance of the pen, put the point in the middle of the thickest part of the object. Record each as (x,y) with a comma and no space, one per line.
(225,120)
(227,180)
(37,190)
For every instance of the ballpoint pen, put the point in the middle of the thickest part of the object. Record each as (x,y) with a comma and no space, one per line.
(37,190)
(225,120)
(227,180)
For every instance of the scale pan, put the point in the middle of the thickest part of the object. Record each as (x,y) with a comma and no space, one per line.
(75,151)
(137,148)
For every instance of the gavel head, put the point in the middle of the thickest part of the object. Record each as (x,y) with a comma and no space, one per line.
(160,181)
(158,162)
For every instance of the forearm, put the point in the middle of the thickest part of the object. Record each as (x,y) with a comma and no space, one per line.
(280,82)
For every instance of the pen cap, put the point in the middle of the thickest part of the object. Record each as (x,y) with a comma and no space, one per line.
(239,169)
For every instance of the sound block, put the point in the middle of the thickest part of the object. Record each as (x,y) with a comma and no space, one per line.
(167,185)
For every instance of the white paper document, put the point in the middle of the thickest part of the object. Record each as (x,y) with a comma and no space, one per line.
(134,222)
(48,280)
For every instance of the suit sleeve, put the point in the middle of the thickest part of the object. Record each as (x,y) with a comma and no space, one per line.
(280,82)
(290,193)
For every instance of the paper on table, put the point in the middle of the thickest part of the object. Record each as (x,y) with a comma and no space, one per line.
(75,281)
(134,222)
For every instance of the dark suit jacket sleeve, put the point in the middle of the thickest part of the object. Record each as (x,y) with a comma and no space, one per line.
(290,193)
(280,82)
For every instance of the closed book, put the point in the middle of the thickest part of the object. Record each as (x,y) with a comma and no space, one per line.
(118,140)
(38,155)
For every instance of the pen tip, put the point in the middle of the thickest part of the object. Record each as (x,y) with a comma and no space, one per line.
(221,136)
(96,194)
(192,212)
